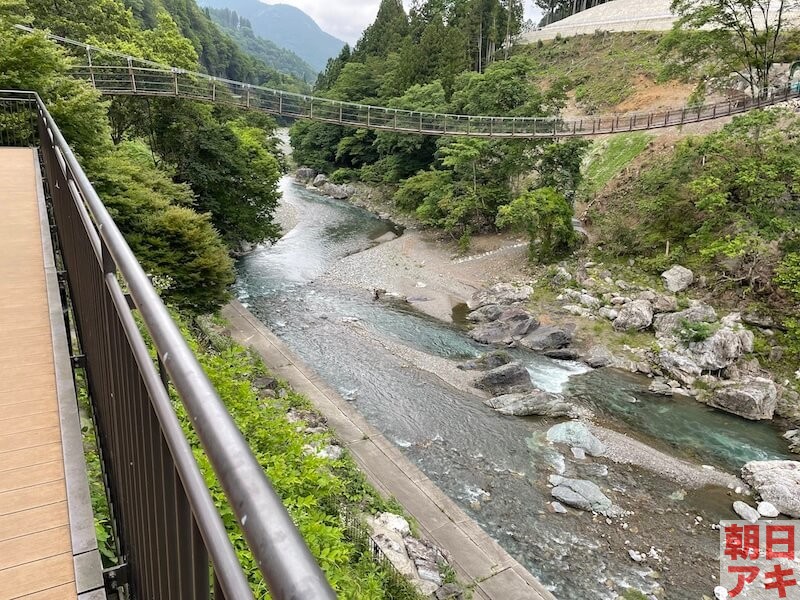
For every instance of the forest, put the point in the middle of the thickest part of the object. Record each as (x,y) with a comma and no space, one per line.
(448,56)
(187,183)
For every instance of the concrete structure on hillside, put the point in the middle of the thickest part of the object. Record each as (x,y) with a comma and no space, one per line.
(618,16)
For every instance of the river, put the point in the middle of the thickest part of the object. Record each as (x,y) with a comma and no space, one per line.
(496,467)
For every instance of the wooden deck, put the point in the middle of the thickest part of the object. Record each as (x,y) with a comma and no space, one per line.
(36,557)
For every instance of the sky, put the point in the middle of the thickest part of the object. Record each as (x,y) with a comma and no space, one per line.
(346,19)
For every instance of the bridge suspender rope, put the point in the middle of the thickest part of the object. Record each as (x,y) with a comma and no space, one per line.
(118,74)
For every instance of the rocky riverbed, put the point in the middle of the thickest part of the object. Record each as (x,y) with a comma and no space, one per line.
(610,490)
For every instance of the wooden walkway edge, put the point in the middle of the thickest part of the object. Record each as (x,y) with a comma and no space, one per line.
(47,542)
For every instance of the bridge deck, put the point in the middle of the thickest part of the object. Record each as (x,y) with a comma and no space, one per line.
(36,557)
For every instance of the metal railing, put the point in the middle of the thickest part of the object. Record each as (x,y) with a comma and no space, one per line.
(171,535)
(117,74)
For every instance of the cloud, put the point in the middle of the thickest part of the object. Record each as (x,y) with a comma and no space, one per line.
(345,19)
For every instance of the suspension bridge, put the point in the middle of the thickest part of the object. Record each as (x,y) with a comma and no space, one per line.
(117,74)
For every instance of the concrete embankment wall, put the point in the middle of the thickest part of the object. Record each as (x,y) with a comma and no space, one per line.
(477,558)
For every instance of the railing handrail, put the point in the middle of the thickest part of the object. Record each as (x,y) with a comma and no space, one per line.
(289,569)
(499,126)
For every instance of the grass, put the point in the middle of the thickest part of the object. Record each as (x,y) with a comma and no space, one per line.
(608,158)
(601,69)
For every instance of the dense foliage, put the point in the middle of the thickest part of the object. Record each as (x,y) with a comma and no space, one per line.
(316,490)
(181,179)
(726,203)
(280,59)
(444,56)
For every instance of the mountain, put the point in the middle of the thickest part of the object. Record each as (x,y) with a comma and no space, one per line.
(286,26)
(241,30)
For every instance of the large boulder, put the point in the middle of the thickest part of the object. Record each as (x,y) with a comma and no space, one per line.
(678,366)
(501,293)
(582,494)
(777,482)
(677,278)
(636,315)
(667,325)
(722,349)
(490,312)
(511,324)
(535,403)
(340,192)
(487,362)
(508,379)
(664,304)
(320,180)
(753,398)
(305,175)
(576,434)
(598,357)
(548,337)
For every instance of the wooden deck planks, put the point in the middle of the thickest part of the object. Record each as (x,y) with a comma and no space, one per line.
(35,548)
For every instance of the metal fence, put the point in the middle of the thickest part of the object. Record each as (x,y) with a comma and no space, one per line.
(116,74)
(172,538)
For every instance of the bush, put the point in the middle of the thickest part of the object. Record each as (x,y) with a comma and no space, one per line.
(344,175)
(690,332)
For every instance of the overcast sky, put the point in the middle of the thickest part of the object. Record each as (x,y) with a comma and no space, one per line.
(346,19)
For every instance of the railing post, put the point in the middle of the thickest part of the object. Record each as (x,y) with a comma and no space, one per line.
(248,96)
(420,122)
(341,112)
(131,74)
(395,120)
(214,89)
(368,115)
(311,109)
(280,103)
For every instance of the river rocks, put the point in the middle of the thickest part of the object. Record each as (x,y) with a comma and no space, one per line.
(724,347)
(511,324)
(562,354)
(768,510)
(664,304)
(636,315)
(598,357)
(305,175)
(548,337)
(582,494)
(575,433)
(747,512)
(490,312)
(661,388)
(487,362)
(319,180)
(679,367)
(677,278)
(754,398)
(777,482)
(562,277)
(793,435)
(508,379)
(535,403)
(608,313)
(668,325)
(501,293)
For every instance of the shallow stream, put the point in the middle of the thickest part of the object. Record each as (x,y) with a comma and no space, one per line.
(496,467)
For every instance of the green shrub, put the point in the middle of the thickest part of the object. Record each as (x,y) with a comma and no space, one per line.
(690,332)
(344,175)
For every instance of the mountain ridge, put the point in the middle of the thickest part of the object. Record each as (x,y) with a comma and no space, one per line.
(286,26)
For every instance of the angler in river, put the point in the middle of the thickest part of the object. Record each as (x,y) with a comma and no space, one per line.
(397,365)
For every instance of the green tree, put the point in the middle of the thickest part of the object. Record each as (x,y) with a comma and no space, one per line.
(229,168)
(169,238)
(743,34)
(546,216)
(32,62)
(386,33)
